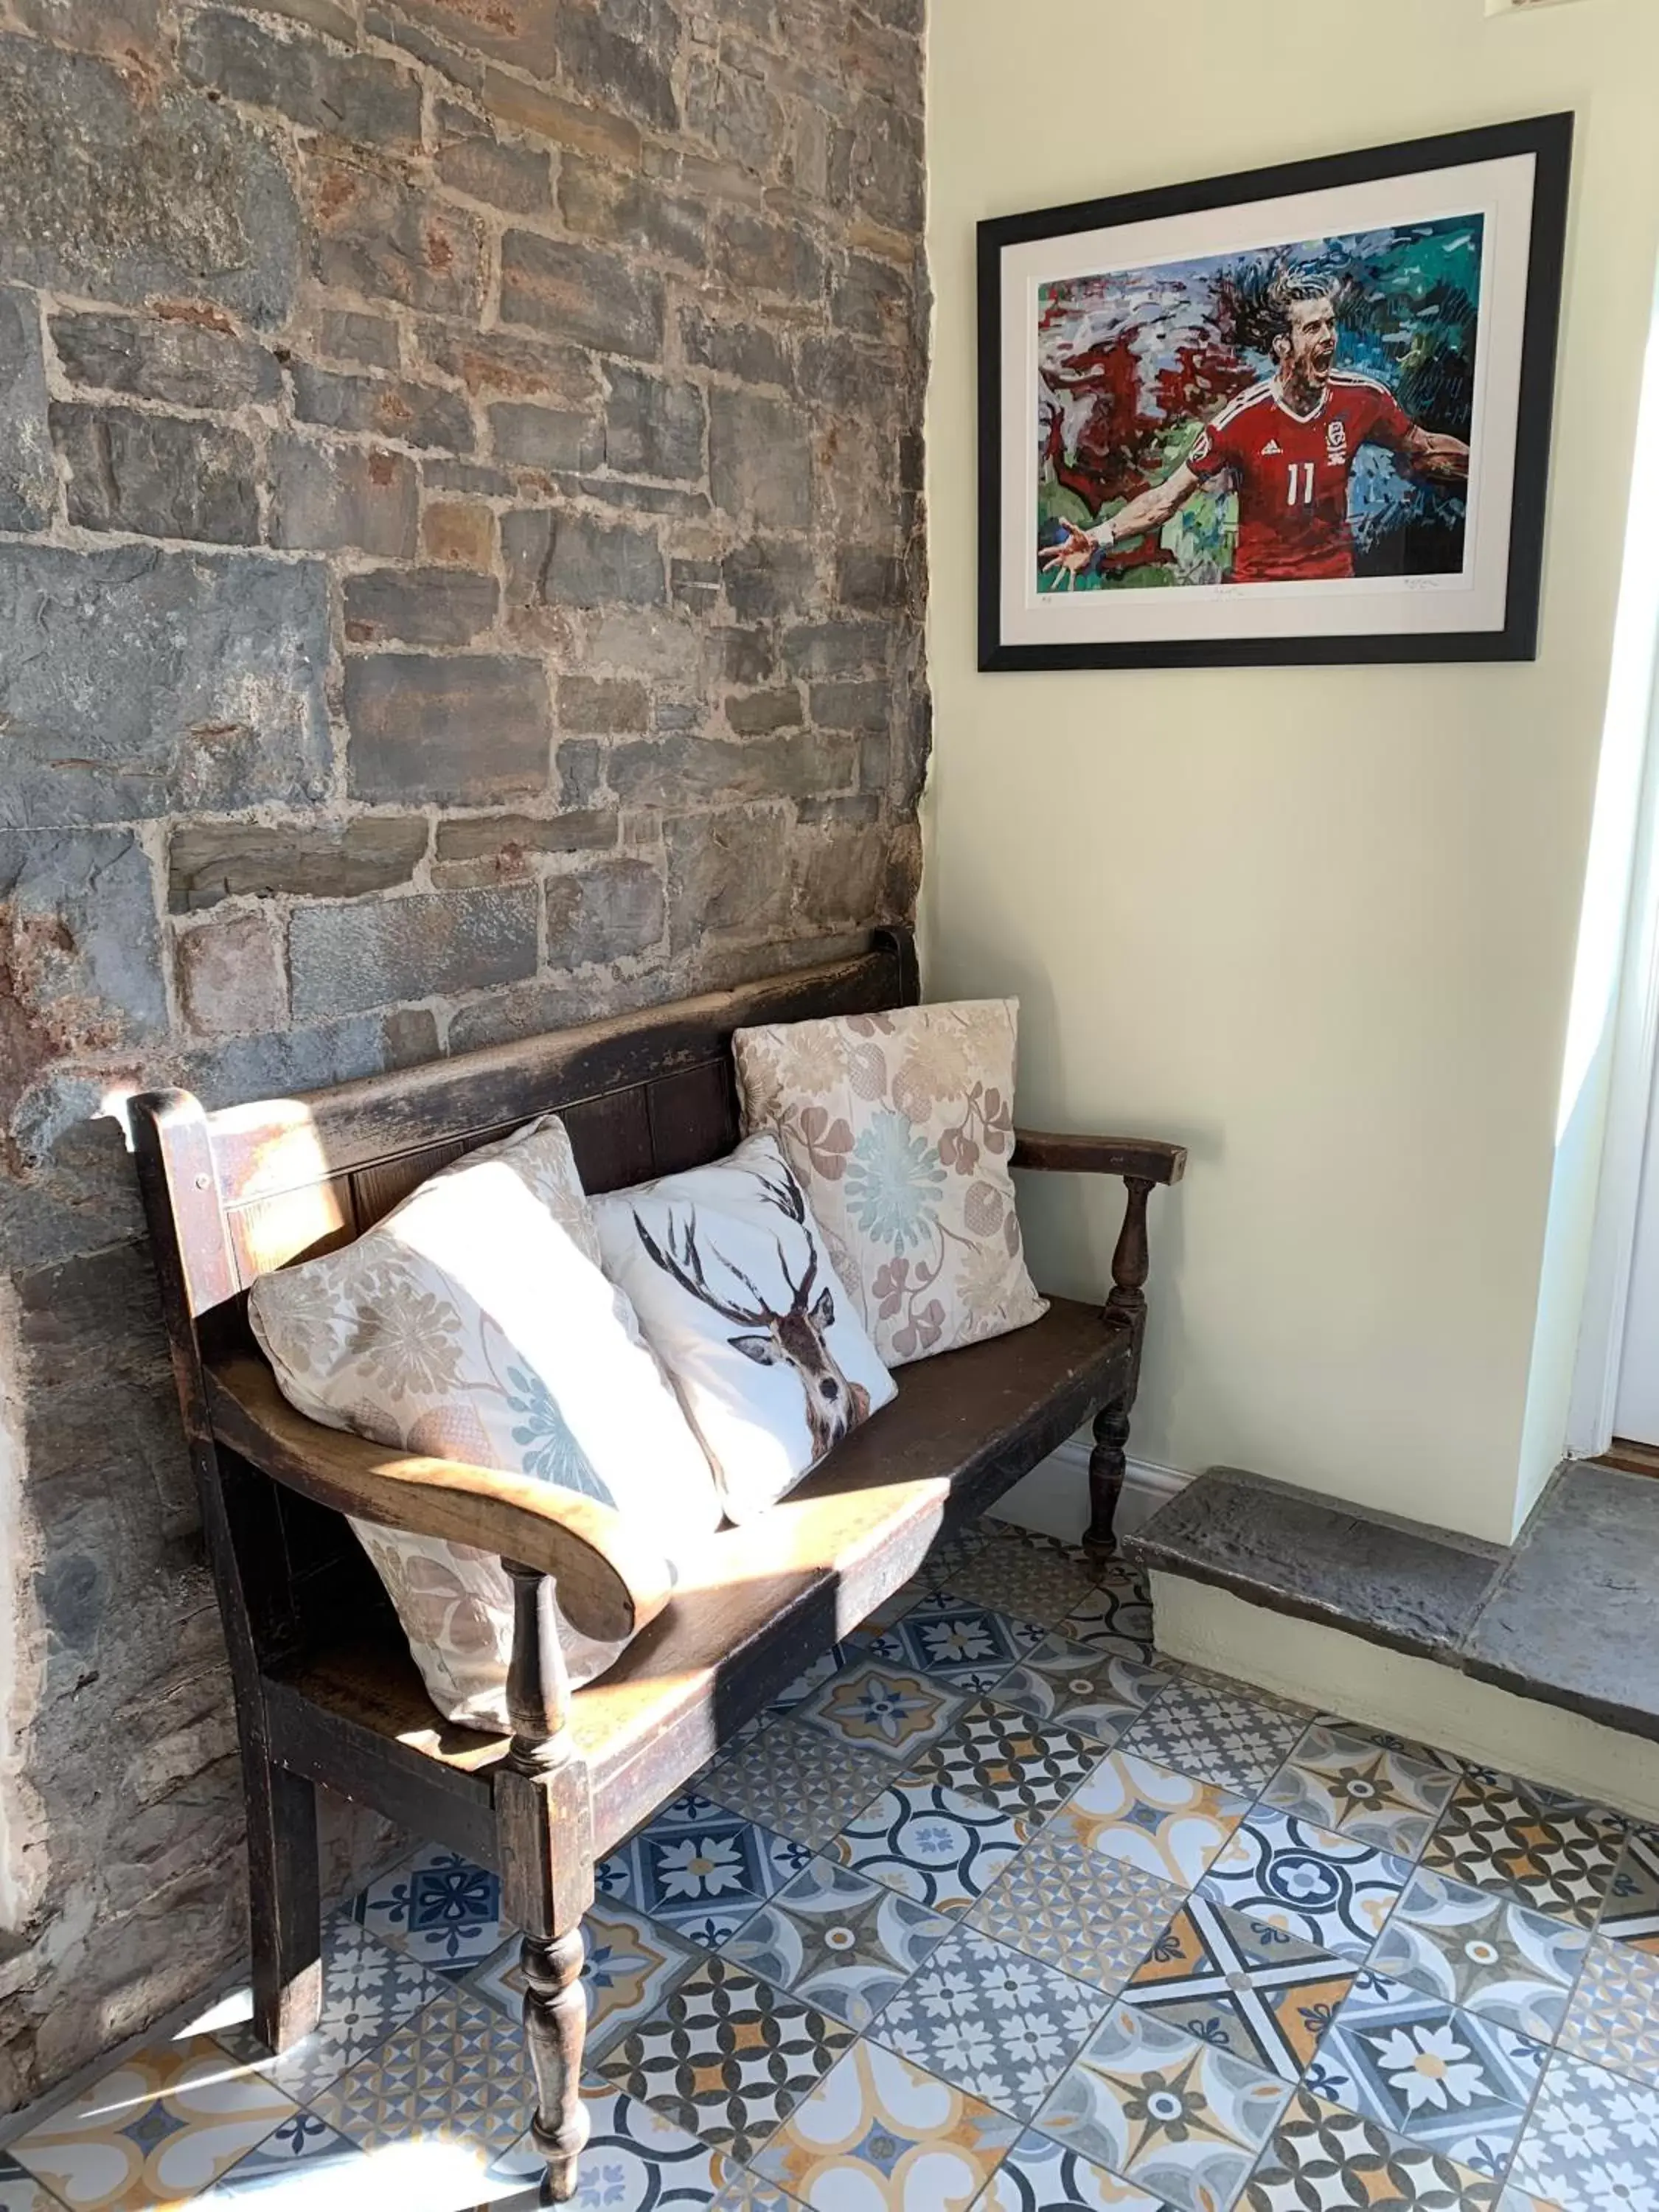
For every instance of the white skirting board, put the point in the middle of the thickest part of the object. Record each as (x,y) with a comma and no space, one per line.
(1054,1497)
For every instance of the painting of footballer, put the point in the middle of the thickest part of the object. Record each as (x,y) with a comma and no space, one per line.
(1298,415)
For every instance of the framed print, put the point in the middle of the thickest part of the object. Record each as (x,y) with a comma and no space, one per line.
(1298,415)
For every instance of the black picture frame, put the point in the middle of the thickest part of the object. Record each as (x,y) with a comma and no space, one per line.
(1549,140)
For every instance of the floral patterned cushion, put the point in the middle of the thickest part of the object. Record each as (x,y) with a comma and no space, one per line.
(474,1323)
(725,1266)
(901,1126)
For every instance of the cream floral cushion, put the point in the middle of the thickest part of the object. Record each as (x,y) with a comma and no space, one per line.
(725,1266)
(900,1127)
(474,1323)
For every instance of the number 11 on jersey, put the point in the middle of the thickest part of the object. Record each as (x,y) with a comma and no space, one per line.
(1301,484)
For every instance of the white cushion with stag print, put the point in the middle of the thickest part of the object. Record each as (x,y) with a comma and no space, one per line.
(900,1126)
(475,1322)
(726,1270)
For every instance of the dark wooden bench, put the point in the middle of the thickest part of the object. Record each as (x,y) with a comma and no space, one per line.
(325,1690)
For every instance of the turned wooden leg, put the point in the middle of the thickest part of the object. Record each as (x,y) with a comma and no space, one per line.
(285,1921)
(1125,1304)
(1106,1467)
(556,2028)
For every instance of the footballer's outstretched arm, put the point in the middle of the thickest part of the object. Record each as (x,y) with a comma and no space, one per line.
(1150,511)
(1432,454)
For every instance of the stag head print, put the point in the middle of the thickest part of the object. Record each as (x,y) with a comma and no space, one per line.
(794,1334)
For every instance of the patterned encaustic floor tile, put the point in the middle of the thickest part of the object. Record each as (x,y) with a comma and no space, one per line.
(798,1780)
(165,2124)
(1242,1986)
(20,2191)
(1591,2140)
(992,2020)
(1329,1890)
(727,2056)
(442,1910)
(1020,1764)
(1099,1692)
(455,2074)
(937,1846)
(1025,1579)
(1042,2175)
(966,1647)
(1630,1914)
(304,2162)
(1448,2079)
(1165,1823)
(1093,1916)
(700,1869)
(1553,1853)
(635,2160)
(1614,2016)
(1217,1732)
(747,2192)
(839,1941)
(1184,2121)
(1320,2156)
(879,2132)
(811,1678)
(368,1989)
(1360,1783)
(1494,1956)
(630,1965)
(1115,1616)
(882,1707)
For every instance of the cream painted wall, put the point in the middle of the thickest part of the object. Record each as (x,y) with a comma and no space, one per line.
(1318,924)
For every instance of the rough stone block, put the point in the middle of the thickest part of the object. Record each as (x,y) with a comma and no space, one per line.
(582,294)
(763,253)
(344,959)
(851,376)
(373,233)
(208,861)
(623,55)
(522,34)
(79,948)
(185,682)
(560,559)
(549,115)
(870,579)
(126,32)
(158,474)
(354,97)
(603,705)
(382,407)
(835,648)
(473,160)
(461,531)
(695,585)
(654,426)
(544,437)
(758,713)
(419,606)
(505,844)
(766,578)
(621,208)
(886,172)
(328,497)
(760,460)
(873,298)
(742,349)
(747,656)
(370,341)
(116,190)
(664,771)
(496,365)
(853,706)
(230,976)
(464,731)
(613,910)
(727,871)
(842,874)
(28,475)
(181,361)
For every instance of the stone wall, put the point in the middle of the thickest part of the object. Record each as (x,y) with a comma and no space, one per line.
(460,569)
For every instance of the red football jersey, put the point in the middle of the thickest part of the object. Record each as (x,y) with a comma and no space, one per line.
(1291,473)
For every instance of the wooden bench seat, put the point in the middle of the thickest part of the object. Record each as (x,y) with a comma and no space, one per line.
(325,1690)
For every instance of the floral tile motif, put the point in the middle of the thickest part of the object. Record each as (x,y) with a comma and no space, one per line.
(1329,1890)
(700,1869)
(1487,1952)
(1448,2079)
(1632,1912)
(629,1965)
(455,2074)
(1241,1987)
(1592,2140)
(931,1844)
(1092,1915)
(1100,1692)
(811,1678)
(1017,1762)
(1115,1616)
(726,2056)
(954,1641)
(799,1780)
(747,2192)
(305,2159)
(881,1706)
(634,2160)
(1216,1731)
(878,2131)
(1033,1577)
(1554,1853)
(1361,1784)
(440,1908)
(950,1552)
(1039,2175)
(992,2020)
(368,1989)
(1614,2020)
(164,2124)
(1183,2121)
(1320,2156)
(838,1941)
(1162,1822)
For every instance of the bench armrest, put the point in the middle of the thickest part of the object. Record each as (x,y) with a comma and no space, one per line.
(610,1581)
(1145,1157)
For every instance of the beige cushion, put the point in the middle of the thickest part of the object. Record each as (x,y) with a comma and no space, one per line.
(900,1127)
(474,1323)
(728,1274)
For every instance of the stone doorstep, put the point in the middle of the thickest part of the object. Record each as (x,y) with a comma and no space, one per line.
(1569,1615)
